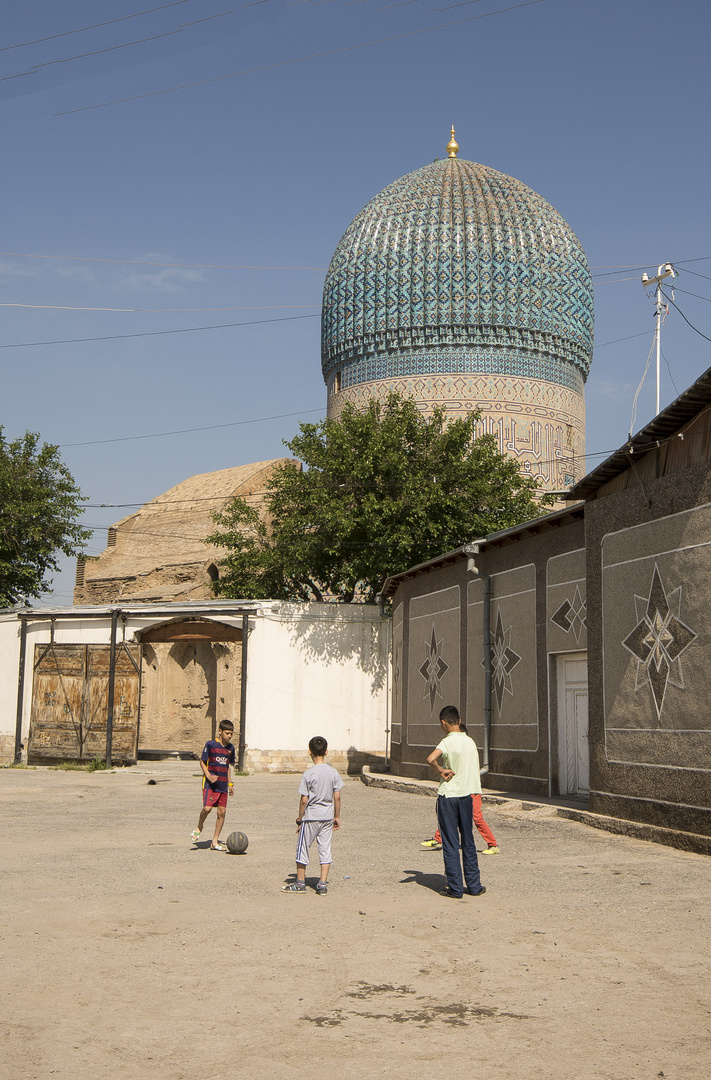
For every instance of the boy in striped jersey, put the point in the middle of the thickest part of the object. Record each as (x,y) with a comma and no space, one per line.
(215,760)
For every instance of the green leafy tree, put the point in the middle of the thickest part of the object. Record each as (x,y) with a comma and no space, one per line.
(39,507)
(382,490)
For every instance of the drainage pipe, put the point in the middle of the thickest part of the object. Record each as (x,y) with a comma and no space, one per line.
(472,550)
(388,718)
(380,600)
(20,692)
(243,695)
(115,612)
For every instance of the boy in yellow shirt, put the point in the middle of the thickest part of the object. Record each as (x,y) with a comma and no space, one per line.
(456,761)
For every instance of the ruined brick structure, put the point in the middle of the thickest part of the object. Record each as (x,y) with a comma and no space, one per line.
(158,553)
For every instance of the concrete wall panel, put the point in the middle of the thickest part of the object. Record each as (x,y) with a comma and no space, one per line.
(513,643)
(566,603)
(656,640)
(434,662)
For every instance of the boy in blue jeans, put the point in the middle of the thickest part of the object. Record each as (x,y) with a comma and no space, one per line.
(319,815)
(459,775)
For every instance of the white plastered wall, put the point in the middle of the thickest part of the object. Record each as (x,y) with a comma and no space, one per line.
(318,669)
(312,669)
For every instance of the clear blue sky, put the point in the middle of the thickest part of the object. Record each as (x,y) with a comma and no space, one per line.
(601,106)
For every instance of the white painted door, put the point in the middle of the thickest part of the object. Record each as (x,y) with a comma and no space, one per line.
(573,749)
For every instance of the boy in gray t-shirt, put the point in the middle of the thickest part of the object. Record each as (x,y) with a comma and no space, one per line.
(319,815)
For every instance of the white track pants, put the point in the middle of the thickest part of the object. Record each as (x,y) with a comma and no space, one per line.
(321,832)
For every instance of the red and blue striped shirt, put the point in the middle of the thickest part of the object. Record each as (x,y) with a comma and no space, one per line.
(218,759)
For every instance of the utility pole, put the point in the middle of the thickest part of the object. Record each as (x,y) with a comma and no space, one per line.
(664,271)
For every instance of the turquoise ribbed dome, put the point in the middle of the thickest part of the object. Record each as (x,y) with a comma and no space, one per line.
(458,268)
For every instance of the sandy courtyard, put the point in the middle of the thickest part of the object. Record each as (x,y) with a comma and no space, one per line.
(128,952)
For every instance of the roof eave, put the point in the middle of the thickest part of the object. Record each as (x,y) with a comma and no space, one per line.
(657,431)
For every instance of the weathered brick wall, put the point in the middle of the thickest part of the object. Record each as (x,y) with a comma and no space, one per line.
(348,762)
(7,749)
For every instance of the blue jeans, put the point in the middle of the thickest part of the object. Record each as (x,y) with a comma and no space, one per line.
(455,824)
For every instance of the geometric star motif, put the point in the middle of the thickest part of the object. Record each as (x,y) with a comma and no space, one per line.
(572,615)
(658,640)
(434,668)
(503,660)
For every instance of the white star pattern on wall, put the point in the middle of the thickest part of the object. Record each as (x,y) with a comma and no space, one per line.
(503,661)
(571,615)
(658,640)
(434,668)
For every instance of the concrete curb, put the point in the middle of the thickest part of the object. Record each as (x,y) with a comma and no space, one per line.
(683,841)
(700,845)
(398,783)
(429,788)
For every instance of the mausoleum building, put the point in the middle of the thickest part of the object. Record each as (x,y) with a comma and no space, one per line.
(461,287)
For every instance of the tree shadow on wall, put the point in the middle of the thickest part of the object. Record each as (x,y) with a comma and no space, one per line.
(337,640)
(358,758)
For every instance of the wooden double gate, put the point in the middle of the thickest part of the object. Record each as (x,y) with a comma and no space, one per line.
(70,702)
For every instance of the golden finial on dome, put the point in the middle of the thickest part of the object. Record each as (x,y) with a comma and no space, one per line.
(452,145)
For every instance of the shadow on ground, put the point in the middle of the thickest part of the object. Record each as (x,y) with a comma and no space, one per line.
(434,882)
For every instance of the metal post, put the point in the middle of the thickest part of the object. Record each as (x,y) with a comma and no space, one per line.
(20,691)
(472,550)
(380,601)
(243,696)
(664,271)
(487,670)
(388,662)
(112,678)
(657,334)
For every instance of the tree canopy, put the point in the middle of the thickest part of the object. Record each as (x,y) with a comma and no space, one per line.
(381,490)
(39,506)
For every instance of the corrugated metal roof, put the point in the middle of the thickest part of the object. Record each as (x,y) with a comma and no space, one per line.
(663,427)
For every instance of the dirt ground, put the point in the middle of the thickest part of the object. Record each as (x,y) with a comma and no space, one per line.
(127,951)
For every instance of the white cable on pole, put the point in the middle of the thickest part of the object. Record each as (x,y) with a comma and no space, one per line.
(633,417)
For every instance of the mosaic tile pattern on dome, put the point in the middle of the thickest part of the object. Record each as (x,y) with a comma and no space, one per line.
(448,360)
(452,254)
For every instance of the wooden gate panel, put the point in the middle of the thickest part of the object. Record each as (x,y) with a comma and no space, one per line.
(70,699)
(56,721)
(124,739)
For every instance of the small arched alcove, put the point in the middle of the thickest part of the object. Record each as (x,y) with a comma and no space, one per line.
(191,679)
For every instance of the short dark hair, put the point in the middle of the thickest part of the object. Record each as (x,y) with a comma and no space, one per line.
(318,746)
(226,725)
(450,714)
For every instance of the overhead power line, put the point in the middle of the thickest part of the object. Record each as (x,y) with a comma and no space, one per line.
(648,266)
(635,451)
(219,326)
(687,293)
(623,270)
(156,310)
(150,262)
(617,281)
(158,333)
(695,273)
(110,48)
(683,262)
(629,337)
(300,59)
(676,306)
(255,266)
(186,431)
(93,26)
